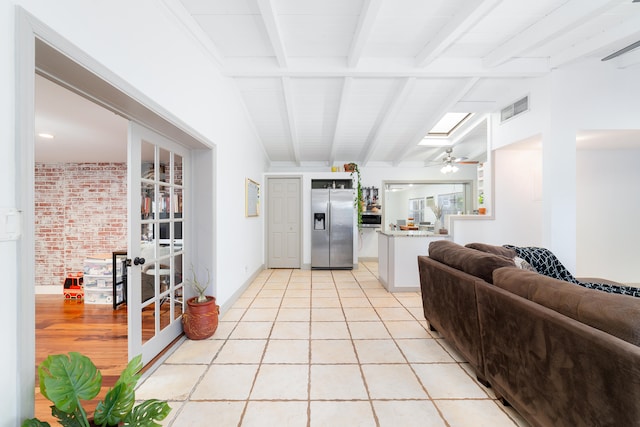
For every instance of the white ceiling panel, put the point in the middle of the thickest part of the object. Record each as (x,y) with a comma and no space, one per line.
(311,35)
(622,14)
(237,35)
(362,114)
(316,104)
(319,8)
(221,7)
(403,28)
(266,106)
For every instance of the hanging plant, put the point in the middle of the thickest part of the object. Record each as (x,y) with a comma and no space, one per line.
(353,168)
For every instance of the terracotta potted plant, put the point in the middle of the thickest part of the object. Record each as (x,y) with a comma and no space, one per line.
(66,379)
(200,319)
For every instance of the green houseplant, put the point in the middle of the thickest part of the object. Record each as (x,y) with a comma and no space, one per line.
(200,319)
(353,168)
(66,379)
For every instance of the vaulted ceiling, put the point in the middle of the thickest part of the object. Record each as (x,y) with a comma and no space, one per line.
(329,81)
(332,81)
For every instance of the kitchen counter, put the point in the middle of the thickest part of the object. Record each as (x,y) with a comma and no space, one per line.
(398,258)
(411,233)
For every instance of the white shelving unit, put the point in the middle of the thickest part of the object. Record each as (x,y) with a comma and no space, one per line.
(98,279)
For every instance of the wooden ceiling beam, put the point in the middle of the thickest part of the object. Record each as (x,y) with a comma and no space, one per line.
(570,15)
(291,118)
(363,31)
(272,26)
(457,26)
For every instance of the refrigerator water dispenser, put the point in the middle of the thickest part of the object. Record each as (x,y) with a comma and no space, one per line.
(318,221)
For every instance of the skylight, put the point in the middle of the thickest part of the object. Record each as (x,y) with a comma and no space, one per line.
(448,123)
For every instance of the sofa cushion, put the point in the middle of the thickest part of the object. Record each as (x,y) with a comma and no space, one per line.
(493,249)
(617,315)
(471,261)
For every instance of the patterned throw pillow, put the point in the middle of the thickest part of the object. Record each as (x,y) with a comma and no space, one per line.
(545,262)
(524,265)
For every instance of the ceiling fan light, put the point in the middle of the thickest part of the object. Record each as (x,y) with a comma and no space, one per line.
(449,168)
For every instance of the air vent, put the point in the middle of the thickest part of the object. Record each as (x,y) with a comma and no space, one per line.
(510,111)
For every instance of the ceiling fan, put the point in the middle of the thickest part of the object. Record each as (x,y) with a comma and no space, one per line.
(449,162)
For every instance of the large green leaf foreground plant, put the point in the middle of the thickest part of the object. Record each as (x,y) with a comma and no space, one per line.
(67,379)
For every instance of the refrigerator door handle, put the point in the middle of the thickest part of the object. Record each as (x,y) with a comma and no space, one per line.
(329,216)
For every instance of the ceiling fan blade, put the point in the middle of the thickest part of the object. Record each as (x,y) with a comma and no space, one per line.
(468,162)
(622,51)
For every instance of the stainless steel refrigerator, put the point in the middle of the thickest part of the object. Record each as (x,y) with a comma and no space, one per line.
(332,213)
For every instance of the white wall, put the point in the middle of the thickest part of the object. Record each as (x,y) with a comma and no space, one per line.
(10,375)
(583,96)
(141,43)
(517,202)
(611,102)
(607,204)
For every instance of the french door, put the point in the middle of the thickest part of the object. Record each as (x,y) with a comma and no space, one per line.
(158,208)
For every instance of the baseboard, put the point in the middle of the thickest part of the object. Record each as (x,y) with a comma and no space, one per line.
(48,290)
(237,294)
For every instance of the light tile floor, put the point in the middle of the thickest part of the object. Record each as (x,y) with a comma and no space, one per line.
(323,348)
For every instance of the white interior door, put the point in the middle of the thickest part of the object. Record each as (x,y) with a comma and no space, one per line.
(283,204)
(158,204)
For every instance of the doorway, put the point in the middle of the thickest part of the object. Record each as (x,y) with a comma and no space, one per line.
(80,195)
(101,86)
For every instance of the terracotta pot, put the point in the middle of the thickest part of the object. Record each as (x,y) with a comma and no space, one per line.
(349,168)
(200,320)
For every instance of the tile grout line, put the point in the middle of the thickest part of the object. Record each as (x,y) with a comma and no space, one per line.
(264,350)
(403,355)
(337,283)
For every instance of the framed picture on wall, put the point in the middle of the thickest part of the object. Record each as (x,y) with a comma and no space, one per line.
(252,198)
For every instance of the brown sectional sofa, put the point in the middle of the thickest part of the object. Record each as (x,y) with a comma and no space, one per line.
(561,354)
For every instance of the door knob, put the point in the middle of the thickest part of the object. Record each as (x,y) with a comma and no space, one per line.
(138,261)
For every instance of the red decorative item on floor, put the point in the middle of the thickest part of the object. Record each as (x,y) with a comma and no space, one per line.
(200,319)
(73,287)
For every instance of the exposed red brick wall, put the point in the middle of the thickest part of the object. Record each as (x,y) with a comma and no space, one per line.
(80,210)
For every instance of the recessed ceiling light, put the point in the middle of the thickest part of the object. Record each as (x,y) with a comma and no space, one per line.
(45,135)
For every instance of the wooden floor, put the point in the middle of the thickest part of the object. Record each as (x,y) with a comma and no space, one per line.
(96,331)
